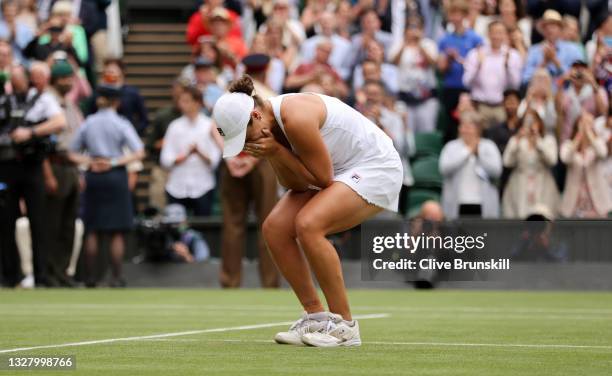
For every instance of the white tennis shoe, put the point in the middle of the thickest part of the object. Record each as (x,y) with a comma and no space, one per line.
(337,332)
(306,324)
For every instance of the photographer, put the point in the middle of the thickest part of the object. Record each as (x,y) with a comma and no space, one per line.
(582,93)
(27,118)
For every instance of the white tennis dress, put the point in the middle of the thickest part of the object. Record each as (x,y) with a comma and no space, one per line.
(362,155)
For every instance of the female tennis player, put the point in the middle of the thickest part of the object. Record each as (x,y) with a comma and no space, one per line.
(339,168)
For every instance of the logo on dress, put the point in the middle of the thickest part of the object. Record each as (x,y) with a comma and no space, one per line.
(221,132)
(356,178)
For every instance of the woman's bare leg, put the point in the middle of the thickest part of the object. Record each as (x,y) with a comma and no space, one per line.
(279,232)
(334,209)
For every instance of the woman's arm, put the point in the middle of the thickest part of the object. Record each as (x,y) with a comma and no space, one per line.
(452,158)
(511,153)
(547,148)
(302,119)
(128,158)
(489,158)
(568,149)
(311,164)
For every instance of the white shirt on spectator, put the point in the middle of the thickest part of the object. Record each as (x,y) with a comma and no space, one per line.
(469,183)
(193,178)
(413,73)
(45,107)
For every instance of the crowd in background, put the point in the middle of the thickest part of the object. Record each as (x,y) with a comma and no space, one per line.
(517,90)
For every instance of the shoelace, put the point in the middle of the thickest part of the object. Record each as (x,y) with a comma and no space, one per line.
(299,323)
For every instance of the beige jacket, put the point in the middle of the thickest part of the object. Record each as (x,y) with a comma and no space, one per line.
(592,160)
(531,177)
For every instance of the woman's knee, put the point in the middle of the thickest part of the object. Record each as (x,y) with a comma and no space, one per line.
(275,226)
(307,226)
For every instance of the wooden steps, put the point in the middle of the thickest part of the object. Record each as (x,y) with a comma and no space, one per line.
(154,55)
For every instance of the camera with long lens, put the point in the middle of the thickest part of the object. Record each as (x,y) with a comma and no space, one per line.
(12,116)
(155,236)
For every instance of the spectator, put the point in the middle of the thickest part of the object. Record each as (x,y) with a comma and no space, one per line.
(17,33)
(603,127)
(155,140)
(469,166)
(311,15)
(344,19)
(307,73)
(600,44)
(586,192)
(531,153)
(191,152)
(206,81)
(287,51)
(62,181)
(340,50)
(6,58)
(540,97)
(93,18)
(208,49)
(199,22)
(275,74)
(288,30)
(256,65)
(27,14)
(21,161)
(454,47)
(517,42)
(571,32)
(232,48)
(415,58)
(81,89)
(553,53)
(512,14)
(485,62)
(375,68)
(108,203)
(51,36)
(131,104)
(370,30)
(382,10)
(476,19)
(245,180)
(182,244)
(74,33)
(501,133)
(375,107)
(583,93)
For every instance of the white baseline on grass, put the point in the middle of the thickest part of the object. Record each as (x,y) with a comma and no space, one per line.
(439,344)
(175,334)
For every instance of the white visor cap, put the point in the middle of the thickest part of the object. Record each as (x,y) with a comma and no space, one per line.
(232,113)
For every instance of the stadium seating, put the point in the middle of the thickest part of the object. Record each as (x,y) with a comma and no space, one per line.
(428,144)
(426,174)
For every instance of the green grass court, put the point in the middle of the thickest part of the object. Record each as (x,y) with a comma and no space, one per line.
(426,333)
